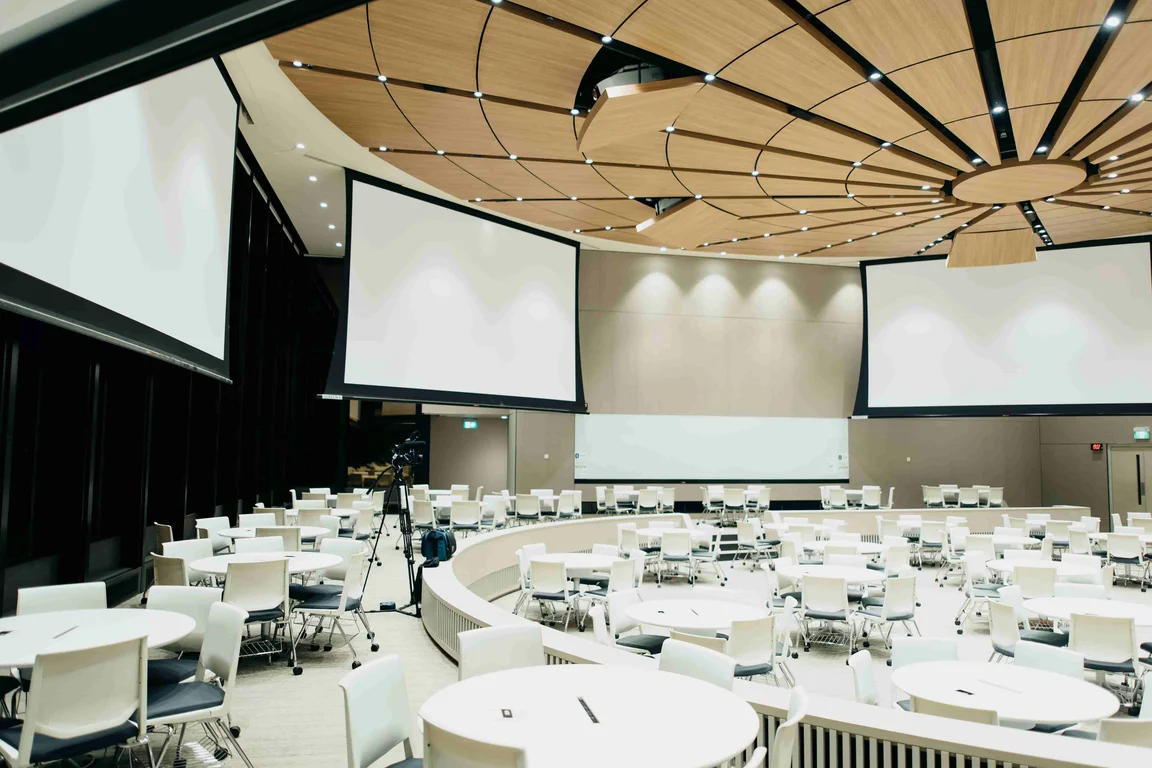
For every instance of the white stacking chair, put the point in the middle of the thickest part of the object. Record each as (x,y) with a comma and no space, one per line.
(825,599)
(191,550)
(550,588)
(864,686)
(675,551)
(321,496)
(82,596)
(288,537)
(494,649)
(837,498)
(824,497)
(898,607)
(545,497)
(749,543)
(447,749)
(1108,645)
(566,506)
(1078,542)
(1125,550)
(978,592)
(423,515)
(1090,523)
(195,603)
(255,519)
(603,637)
(784,739)
(968,497)
(527,508)
(753,644)
(259,544)
(461,490)
(933,495)
(870,498)
(346,500)
(699,662)
(321,491)
(733,504)
(1035,580)
(932,536)
(261,589)
(201,701)
(309,504)
(376,713)
(647,501)
(524,556)
(709,554)
(333,605)
(1058,531)
(464,517)
(363,526)
(666,498)
(619,622)
(210,527)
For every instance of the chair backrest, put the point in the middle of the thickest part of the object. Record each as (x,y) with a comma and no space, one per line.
(600,626)
(163,533)
(870,498)
(465,513)
(376,713)
(646,499)
(254,519)
(898,557)
(932,532)
(1078,542)
(62,597)
(980,543)
(695,661)
(1003,626)
(1090,523)
(190,550)
(1116,730)
(193,602)
(619,621)
(259,544)
(213,525)
(734,498)
(995,497)
(169,571)
(676,543)
(346,500)
(933,495)
(718,644)
(863,678)
(447,749)
(310,504)
(891,528)
(423,512)
(954,711)
(257,586)
(549,577)
(784,740)
(1057,529)
(311,516)
(345,549)
(913,650)
(220,653)
(492,649)
(846,560)
(61,704)
(899,598)
(566,505)
(1035,580)
(837,498)
(1125,545)
(1050,658)
(527,504)
(1103,638)
(461,490)
(629,539)
(969,497)
(314,496)
(825,594)
(753,641)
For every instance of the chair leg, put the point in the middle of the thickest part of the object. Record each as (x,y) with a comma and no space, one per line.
(347,641)
(227,732)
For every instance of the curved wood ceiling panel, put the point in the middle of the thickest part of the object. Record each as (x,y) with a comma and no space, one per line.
(428,41)
(1134,120)
(866,109)
(886,158)
(1085,116)
(522,59)
(1127,67)
(643,182)
(530,212)
(448,122)
(895,33)
(786,164)
(340,41)
(648,149)
(949,87)
(531,132)
(1008,217)
(602,16)
(572,179)
(928,145)
(506,175)
(709,184)
(685,152)
(1012,18)
(1028,126)
(813,139)
(624,111)
(814,72)
(444,174)
(720,110)
(702,35)
(1038,69)
(978,133)
(361,108)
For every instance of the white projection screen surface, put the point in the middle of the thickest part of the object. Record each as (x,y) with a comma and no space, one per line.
(446,304)
(616,447)
(1070,332)
(115,216)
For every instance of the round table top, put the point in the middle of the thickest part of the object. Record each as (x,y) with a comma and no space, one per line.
(1063,570)
(704,532)
(849,573)
(579,561)
(248,532)
(1005,540)
(31,633)
(1145,538)
(1062,608)
(298,562)
(694,615)
(862,547)
(1019,694)
(546,710)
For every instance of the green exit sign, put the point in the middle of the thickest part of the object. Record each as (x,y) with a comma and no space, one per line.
(471,424)
(1139,433)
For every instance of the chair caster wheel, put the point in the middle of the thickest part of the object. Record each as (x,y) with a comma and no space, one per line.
(795,655)
(327,648)
(957,622)
(959,631)
(581,627)
(297,670)
(888,662)
(941,586)
(314,647)
(355,665)
(375,647)
(235,731)
(807,649)
(1134,711)
(220,754)
(867,644)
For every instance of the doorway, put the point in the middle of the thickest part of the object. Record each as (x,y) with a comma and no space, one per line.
(1128,470)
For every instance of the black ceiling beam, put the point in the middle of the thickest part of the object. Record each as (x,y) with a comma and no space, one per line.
(1032,216)
(984,44)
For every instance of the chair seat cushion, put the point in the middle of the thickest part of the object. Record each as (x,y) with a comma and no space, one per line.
(412,762)
(905,704)
(466,526)
(327,602)
(650,643)
(675,558)
(181,698)
(877,611)
(268,614)
(1041,728)
(826,615)
(1004,650)
(548,596)
(170,671)
(1119,667)
(303,592)
(1055,639)
(1080,735)
(595,581)
(45,748)
(1125,560)
(1146,647)
(749,670)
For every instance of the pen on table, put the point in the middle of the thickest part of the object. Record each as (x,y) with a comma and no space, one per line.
(64,632)
(694,611)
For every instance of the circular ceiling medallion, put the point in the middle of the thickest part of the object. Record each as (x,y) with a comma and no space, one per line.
(1015,181)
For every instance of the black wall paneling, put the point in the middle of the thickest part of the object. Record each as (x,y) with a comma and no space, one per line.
(98,442)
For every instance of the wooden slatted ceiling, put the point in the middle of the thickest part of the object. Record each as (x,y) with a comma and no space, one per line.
(644,182)
(814,73)
(443,174)
(1068,225)
(804,136)
(1136,119)
(686,152)
(820,204)
(506,175)
(629,210)
(866,109)
(340,41)
(1127,67)
(895,33)
(712,184)
(978,133)
(624,111)
(1136,148)
(1008,217)
(990,249)
(800,187)
(1012,18)
(790,165)
(720,110)
(1038,69)
(680,225)
(1028,126)
(762,206)
(886,158)
(602,16)
(949,87)
(702,35)
(361,108)
(522,59)
(448,122)
(532,133)
(648,149)
(1141,11)
(1085,116)
(926,144)
(530,212)
(622,235)
(573,180)
(428,41)
(903,242)
(590,215)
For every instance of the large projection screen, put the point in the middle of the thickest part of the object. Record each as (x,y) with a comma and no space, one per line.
(1068,333)
(115,217)
(446,304)
(644,447)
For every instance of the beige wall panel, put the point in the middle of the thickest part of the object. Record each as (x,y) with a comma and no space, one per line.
(538,434)
(1073,474)
(473,456)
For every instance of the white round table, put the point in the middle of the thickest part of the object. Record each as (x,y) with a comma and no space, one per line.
(1062,608)
(580,561)
(298,562)
(30,634)
(850,574)
(695,616)
(549,721)
(306,531)
(862,547)
(658,533)
(1018,694)
(1005,541)
(1063,570)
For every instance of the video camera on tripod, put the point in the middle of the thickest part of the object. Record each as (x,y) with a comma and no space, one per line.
(404,454)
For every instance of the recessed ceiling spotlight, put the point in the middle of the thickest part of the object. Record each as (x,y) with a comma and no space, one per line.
(935,199)
(898,213)
(331,226)
(1136,97)
(925,186)
(339,245)
(606,39)
(803,229)
(1114,157)
(857,164)
(1041,149)
(849,239)
(1049,199)
(964,224)
(631,197)
(829,245)
(734,239)
(477,199)
(1112,21)
(875,76)
(439,151)
(723,253)
(936,216)
(767,234)
(755,173)
(382,78)
(323,205)
(781,255)
(609,229)
(706,244)
(573,111)
(1111,175)
(1105,207)
(670,129)
(663,248)
(803,211)
(996,110)
(297,63)
(519,199)
(698,196)
(478,94)
(588,160)
(573,197)
(873,234)
(851,195)
(1036,226)
(709,77)
(997,207)
(299,146)
(885,143)
(311,178)
(577,231)
(1044,232)
(1124,191)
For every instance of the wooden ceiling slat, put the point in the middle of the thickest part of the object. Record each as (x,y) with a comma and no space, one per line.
(647,149)
(1141,11)
(702,35)
(762,206)
(686,152)
(813,139)
(712,184)
(428,41)
(1028,126)
(814,73)
(602,16)
(506,175)
(886,158)
(572,179)
(978,133)
(895,33)
(949,87)
(1008,217)
(992,249)
(791,165)
(530,212)
(624,111)
(720,110)
(1038,69)
(448,122)
(443,174)
(866,109)
(360,108)
(1067,224)
(926,144)
(1012,18)
(801,187)
(532,133)
(1127,67)
(628,210)
(523,59)
(644,182)
(622,235)
(583,212)
(1085,116)
(340,41)
(820,204)
(682,224)
(1134,120)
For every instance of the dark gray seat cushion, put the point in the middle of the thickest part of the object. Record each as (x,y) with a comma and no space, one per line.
(650,643)
(674,558)
(170,671)
(179,698)
(303,592)
(548,596)
(269,614)
(328,602)
(1047,638)
(45,748)
(1080,734)
(905,704)
(1110,666)
(876,611)
(412,762)
(826,615)
(749,670)
(7,685)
